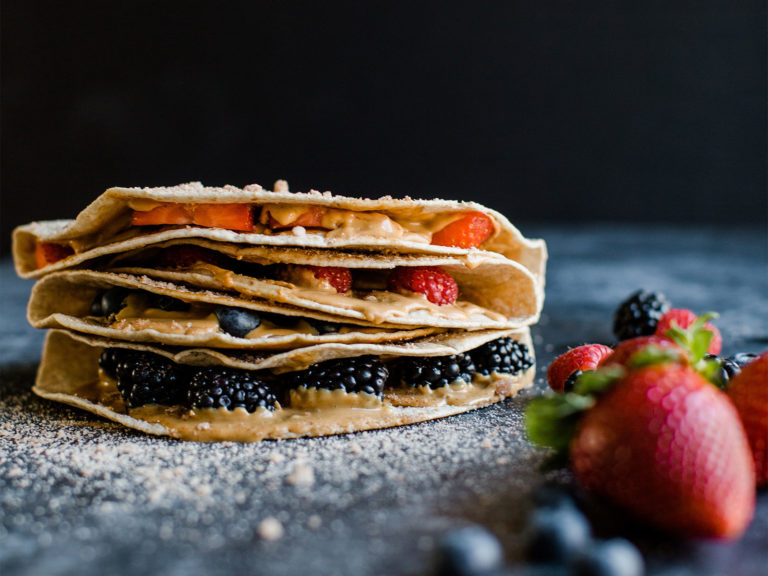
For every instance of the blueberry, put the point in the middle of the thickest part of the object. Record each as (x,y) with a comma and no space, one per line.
(237,321)
(468,551)
(616,557)
(323,327)
(96,309)
(112,301)
(163,302)
(552,496)
(557,534)
(742,358)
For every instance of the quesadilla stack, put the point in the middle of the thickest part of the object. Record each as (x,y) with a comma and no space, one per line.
(241,314)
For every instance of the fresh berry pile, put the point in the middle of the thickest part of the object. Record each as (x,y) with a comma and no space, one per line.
(230,389)
(646,425)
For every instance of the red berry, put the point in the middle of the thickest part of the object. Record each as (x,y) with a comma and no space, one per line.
(749,393)
(583,358)
(437,285)
(339,278)
(469,231)
(668,446)
(186,256)
(625,350)
(683,318)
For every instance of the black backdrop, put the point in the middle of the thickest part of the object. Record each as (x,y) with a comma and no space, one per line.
(549,111)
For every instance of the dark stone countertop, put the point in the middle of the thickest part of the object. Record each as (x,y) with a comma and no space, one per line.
(82,496)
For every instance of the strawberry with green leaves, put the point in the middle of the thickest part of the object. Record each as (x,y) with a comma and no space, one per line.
(654,436)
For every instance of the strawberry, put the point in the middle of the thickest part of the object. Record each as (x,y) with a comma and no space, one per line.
(684,319)
(227,216)
(437,285)
(668,446)
(749,393)
(567,367)
(654,436)
(47,253)
(308,217)
(627,349)
(469,231)
(186,256)
(339,278)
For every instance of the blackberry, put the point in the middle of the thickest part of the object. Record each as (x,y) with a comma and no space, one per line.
(144,378)
(109,359)
(436,371)
(639,314)
(230,389)
(726,369)
(109,302)
(503,355)
(360,374)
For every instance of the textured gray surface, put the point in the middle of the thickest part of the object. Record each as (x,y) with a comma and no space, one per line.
(81,496)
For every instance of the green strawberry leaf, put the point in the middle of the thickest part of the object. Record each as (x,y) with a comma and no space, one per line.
(711,369)
(595,382)
(551,420)
(695,339)
(652,355)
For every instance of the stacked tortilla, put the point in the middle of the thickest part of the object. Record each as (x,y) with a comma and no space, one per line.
(241,314)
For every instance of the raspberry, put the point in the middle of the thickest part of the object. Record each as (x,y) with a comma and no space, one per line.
(684,318)
(469,231)
(561,372)
(48,253)
(339,278)
(437,285)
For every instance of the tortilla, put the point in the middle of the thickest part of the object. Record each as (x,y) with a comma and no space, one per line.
(497,284)
(69,374)
(104,226)
(63,300)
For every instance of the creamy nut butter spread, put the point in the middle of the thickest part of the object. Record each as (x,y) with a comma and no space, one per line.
(244,314)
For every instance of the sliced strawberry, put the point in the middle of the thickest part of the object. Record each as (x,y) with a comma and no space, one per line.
(47,253)
(668,446)
(186,256)
(311,217)
(168,213)
(227,216)
(577,360)
(339,278)
(749,393)
(437,285)
(469,231)
(683,318)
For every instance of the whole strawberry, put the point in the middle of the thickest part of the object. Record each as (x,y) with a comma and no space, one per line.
(749,393)
(567,367)
(682,318)
(668,446)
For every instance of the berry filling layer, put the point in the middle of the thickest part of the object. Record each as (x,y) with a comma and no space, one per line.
(146,379)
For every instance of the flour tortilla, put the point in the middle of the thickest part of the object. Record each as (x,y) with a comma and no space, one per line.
(493,282)
(63,300)
(69,369)
(103,227)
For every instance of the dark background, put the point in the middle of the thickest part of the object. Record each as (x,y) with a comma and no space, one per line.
(550,111)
